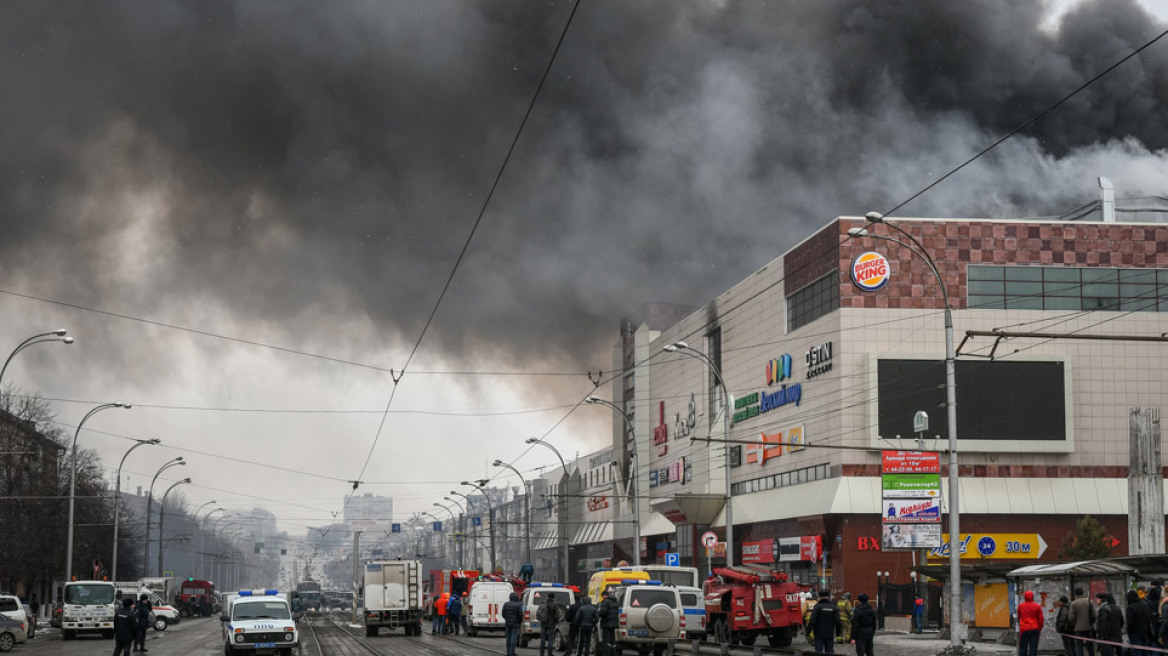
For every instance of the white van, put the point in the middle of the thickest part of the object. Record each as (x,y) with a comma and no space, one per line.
(534,596)
(162,614)
(486,606)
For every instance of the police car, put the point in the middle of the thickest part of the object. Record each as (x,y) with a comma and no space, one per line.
(259,622)
(534,596)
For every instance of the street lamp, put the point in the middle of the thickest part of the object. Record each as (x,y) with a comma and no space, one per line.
(634,469)
(526,507)
(490,516)
(684,349)
(437,522)
(118,501)
(468,519)
(563,501)
(177,462)
(52,336)
(162,518)
(454,522)
(203,537)
(73,480)
(956,635)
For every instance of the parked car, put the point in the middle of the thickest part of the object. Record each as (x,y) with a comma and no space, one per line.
(12,608)
(11,632)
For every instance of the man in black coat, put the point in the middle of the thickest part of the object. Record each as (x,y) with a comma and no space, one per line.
(863,626)
(125,627)
(143,611)
(512,620)
(1109,626)
(573,627)
(586,619)
(824,623)
(609,614)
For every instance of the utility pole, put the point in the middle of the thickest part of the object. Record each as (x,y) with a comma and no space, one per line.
(1145,484)
(356,562)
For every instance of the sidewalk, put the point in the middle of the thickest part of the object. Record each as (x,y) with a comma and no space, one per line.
(895,643)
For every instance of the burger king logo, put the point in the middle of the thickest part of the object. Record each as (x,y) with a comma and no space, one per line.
(870,271)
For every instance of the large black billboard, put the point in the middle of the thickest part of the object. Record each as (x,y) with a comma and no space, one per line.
(996,400)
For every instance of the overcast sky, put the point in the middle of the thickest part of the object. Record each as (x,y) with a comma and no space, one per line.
(304,174)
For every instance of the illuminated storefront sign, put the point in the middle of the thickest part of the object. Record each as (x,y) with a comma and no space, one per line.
(870,271)
(679,471)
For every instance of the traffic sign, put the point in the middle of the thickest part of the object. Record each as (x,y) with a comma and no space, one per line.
(395,528)
(673,560)
(998,546)
(709,539)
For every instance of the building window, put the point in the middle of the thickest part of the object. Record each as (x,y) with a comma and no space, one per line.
(813,301)
(1067,288)
(714,351)
(804,475)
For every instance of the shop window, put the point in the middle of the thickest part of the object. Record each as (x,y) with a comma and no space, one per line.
(813,301)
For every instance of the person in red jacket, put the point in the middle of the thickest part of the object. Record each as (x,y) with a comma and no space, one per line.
(1029,625)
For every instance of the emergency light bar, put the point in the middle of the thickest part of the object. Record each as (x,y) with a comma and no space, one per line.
(639,582)
(256,593)
(545,585)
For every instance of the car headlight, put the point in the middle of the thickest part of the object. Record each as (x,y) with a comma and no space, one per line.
(239,637)
(288,637)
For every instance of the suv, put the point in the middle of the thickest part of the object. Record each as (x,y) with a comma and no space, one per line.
(650,616)
(693,613)
(534,596)
(259,622)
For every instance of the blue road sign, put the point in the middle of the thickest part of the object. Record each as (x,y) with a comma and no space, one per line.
(673,560)
(437,526)
(395,528)
(476,521)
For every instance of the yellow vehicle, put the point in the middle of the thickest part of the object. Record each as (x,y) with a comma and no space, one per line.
(606,578)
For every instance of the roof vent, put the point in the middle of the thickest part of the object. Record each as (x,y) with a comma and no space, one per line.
(1107,199)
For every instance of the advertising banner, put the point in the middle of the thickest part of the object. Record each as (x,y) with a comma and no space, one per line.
(911,511)
(911,462)
(762,551)
(789,549)
(910,536)
(912,486)
(810,547)
(1007,546)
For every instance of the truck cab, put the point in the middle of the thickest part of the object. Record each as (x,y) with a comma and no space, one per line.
(88,608)
(259,622)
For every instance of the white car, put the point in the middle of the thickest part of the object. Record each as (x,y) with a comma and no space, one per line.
(11,608)
(259,622)
(534,596)
(693,613)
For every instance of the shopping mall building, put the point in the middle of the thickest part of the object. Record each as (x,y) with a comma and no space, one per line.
(827,368)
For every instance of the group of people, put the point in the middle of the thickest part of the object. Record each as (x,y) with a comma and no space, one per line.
(131,621)
(828,623)
(582,616)
(450,614)
(1085,625)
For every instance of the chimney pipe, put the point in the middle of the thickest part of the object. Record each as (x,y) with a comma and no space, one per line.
(1107,199)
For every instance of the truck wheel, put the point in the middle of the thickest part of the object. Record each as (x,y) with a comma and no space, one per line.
(747,638)
(226,650)
(780,638)
(471,632)
(184,613)
(160,624)
(721,632)
(371,632)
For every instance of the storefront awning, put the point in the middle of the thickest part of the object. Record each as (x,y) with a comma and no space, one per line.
(657,525)
(549,540)
(593,532)
(689,508)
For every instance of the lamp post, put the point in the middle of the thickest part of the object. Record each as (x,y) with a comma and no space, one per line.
(684,349)
(490,516)
(177,462)
(454,521)
(203,538)
(956,634)
(563,512)
(162,518)
(118,501)
(437,521)
(526,508)
(73,479)
(52,336)
(467,515)
(634,470)
(462,513)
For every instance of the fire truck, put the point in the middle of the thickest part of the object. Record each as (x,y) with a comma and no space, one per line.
(452,581)
(744,602)
(196,597)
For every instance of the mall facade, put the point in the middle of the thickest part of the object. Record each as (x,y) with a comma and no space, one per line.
(829,353)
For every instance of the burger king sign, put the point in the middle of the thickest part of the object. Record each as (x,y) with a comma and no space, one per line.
(870,271)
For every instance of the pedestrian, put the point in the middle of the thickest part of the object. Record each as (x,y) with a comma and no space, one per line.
(863,626)
(586,617)
(143,616)
(443,602)
(918,616)
(1139,623)
(845,614)
(1155,594)
(454,613)
(1081,619)
(824,623)
(1029,625)
(1063,626)
(573,627)
(34,604)
(808,606)
(512,620)
(550,613)
(436,619)
(125,628)
(609,614)
(465,616)
(1109,626)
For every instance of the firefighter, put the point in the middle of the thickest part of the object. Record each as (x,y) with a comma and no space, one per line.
(808,605)
(845,614)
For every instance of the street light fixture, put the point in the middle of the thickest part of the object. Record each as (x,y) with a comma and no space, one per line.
(526,508)
(203,537)
(956,632)
(162,518)
(634,469)
(454,523)
(563,502)
(73,482)
(118,501)
(468,522)
(490,516)
(51,336)
(684,349)
(177,462)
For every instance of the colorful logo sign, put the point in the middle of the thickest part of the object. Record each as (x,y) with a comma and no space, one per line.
(772,446)
(778,369)
(661,432)
(818,360)
(1000,546)
(762,551)
(911,486)
(870,271)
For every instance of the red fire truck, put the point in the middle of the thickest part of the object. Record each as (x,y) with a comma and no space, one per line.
(453,581)
(744,602)
(196,597)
